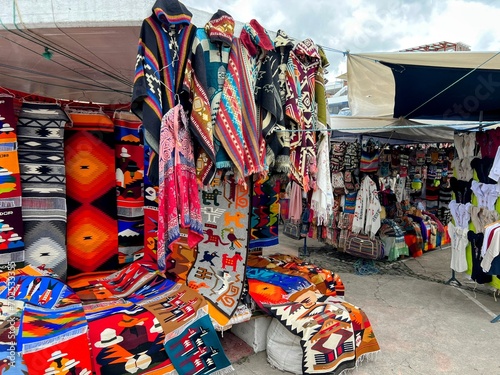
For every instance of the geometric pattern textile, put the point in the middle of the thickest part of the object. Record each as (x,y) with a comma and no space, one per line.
(334,334)
(91,188)
(265,212)
(40,132)
(129,154)
(219,270)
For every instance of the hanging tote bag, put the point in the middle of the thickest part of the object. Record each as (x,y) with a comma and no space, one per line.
(362,246)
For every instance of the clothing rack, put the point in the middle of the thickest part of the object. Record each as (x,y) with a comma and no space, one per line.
(453,279)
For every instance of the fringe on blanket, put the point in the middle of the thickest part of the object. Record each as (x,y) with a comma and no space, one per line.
(364,357)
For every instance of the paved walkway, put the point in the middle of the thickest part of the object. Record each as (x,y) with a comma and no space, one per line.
(423,325)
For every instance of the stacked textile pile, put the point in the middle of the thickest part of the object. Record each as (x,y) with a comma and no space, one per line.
(130,320)
(334,335)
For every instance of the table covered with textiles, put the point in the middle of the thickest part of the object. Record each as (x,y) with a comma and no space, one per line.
(137,321)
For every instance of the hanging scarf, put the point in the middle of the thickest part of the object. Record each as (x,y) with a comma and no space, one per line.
(178,201)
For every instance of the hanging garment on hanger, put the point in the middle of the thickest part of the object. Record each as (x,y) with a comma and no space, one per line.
(481,217)
(459,243)
(204,79)
(178,199)
(303,64)
(271,96)
(486,194)
(465,144)
(237,127)
(164,45)
(477,274)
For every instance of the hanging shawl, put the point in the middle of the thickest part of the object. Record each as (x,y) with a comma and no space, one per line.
(301,109)
(236,124)
(270,96)
(321,101)
(164,44)
(204,78)
(178,200)
(322,197)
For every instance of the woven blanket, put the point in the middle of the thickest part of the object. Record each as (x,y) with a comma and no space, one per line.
(11,224)
(129,154)
(328,283)
(91,187)
(265,214)
(127,340)
(334,334)
(195,348)
(219,269)
(52,340)
(41,158)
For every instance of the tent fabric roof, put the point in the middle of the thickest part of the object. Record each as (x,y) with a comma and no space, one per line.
(425,85)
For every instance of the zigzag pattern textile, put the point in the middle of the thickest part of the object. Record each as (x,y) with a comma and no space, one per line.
(40,132)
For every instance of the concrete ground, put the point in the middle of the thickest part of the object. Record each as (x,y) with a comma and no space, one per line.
(423,326)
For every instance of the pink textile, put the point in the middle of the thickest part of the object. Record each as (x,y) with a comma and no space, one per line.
(178,198)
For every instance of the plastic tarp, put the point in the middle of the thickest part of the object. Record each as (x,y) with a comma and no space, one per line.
(458,86)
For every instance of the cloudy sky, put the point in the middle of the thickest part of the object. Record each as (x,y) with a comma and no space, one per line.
(371,25)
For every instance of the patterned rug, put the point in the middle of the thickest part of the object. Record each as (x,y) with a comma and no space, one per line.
(265,214)
(334,334)
(219,270)
(91,187)
(127,341)
(129,154)
(195,348)
(43,179)
(328,283)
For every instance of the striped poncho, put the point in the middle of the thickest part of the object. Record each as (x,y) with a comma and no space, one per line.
(236,124)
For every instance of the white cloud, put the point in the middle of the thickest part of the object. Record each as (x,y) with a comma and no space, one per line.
(371,25)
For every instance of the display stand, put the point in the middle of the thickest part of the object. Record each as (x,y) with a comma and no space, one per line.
(496,319)
(453,279)
(303,250)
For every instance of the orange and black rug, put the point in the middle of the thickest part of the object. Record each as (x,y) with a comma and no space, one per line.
(91,193)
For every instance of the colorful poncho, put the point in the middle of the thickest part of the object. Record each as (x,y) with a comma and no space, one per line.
(301,71)
(204,78)
(164,45)
(178,200)
(270,95)
(236,123)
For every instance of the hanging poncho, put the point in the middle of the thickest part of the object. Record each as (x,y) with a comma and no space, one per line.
(301,109)
(236,124)
(204,79)
(270,95)
(164,45)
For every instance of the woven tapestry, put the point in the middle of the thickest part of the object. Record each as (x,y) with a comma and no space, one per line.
(127,341)
(195,348)
(328,283)
(265,214)
(11,221)
(52,340)
(150,212)
(334,334)
(91,188)
(40,132)
(129,154)
(219,268)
